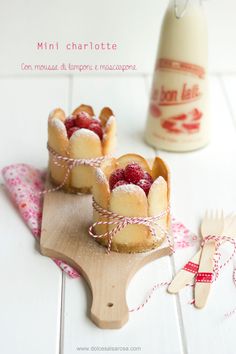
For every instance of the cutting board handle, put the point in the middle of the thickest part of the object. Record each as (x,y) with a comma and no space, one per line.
(66,218)
(109,308)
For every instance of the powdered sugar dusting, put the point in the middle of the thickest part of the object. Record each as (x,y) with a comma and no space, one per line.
(100,176)
(110,121)
(128,188)
(53,113)
(159,180)
(89,134)
(96,119)
(105,137)
(56,122)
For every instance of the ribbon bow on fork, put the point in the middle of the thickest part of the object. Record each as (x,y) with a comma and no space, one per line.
(201,266)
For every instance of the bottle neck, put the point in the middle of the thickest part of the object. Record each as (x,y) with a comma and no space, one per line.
(181,7)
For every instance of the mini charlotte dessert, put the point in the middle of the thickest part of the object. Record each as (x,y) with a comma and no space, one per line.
(82,137)
(131,187)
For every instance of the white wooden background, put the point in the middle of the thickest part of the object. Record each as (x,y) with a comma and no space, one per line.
(43,311)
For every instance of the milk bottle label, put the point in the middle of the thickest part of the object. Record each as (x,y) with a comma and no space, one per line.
(177,103)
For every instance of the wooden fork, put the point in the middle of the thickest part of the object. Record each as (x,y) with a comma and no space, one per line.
(212,224)
(186,274)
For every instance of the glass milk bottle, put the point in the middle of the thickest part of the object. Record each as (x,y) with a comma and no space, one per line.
(178,117)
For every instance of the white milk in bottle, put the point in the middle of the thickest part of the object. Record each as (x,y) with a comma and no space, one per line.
(178,114)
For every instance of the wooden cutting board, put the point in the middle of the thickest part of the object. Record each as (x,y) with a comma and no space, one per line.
(66,218)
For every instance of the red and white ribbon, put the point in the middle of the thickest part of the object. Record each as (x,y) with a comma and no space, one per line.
(191,267)
(204,277)
(121,221)
(70,163)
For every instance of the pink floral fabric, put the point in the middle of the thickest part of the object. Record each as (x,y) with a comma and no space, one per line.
(25,183)
(183,237)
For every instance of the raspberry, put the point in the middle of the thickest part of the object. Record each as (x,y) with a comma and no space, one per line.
(117,175)
(71,131)
(83,120)
(122,182)
(69,122)
(148,177)
(145,185)
(97,122)
(96,128)
(133,173)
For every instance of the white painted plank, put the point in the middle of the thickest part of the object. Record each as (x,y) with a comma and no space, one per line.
(30,297)
(228,84)
(30,289)
(151,327)
(24,109)
(206,179)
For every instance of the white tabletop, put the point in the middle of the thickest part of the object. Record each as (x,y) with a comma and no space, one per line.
(42,310)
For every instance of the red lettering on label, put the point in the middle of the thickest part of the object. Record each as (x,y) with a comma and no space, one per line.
(189,93)
(168,95)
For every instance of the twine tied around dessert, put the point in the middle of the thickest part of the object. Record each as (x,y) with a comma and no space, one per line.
(70,163)
(121,221)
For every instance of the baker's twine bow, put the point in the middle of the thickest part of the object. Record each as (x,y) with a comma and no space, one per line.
(70,163)
(121,221)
